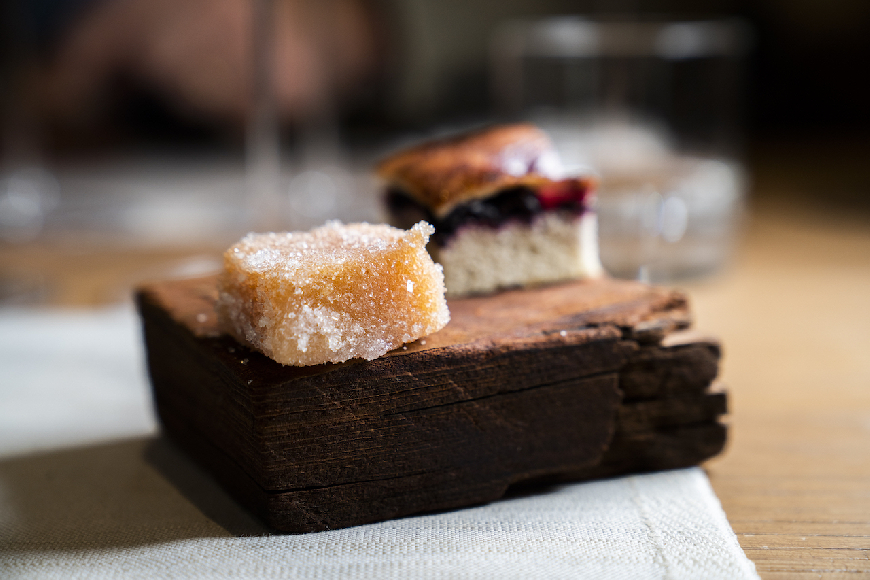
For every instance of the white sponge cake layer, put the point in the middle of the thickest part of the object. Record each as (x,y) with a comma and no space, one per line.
(554,246)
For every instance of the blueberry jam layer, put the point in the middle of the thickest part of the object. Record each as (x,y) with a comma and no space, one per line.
(516,204)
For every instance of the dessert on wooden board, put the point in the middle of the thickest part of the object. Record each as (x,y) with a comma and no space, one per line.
(560,383)
(505,213)
(277,377)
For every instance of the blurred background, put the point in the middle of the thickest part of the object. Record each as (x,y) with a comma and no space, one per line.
(142,137)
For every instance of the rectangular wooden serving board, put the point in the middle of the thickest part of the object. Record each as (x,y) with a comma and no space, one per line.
(563,383)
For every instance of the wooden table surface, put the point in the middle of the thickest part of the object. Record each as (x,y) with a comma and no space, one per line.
(794,315)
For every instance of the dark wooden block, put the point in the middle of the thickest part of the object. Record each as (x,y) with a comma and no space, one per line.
(582,380)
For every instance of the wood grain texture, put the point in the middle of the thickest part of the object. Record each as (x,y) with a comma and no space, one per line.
(524,386)
(793,315)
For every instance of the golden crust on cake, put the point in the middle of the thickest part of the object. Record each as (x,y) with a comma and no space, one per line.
(444,173)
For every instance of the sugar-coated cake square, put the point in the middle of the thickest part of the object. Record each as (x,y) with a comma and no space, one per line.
(334,293)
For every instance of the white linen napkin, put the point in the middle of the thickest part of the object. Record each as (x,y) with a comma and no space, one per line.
(88,490)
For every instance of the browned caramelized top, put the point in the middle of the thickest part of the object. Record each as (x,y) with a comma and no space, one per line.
(443,173)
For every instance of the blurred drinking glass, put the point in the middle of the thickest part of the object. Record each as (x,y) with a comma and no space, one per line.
(654,110)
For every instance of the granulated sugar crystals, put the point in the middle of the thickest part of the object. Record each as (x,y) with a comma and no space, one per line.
(334,293)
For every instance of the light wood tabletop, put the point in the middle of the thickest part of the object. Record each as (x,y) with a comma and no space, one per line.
(794,316)
(793,312)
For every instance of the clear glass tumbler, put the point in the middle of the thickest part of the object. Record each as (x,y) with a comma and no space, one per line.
(654,108)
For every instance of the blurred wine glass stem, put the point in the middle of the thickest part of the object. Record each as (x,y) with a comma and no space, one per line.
(28,190)
(263,147)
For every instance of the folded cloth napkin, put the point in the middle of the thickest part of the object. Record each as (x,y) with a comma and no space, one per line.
(87,490)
